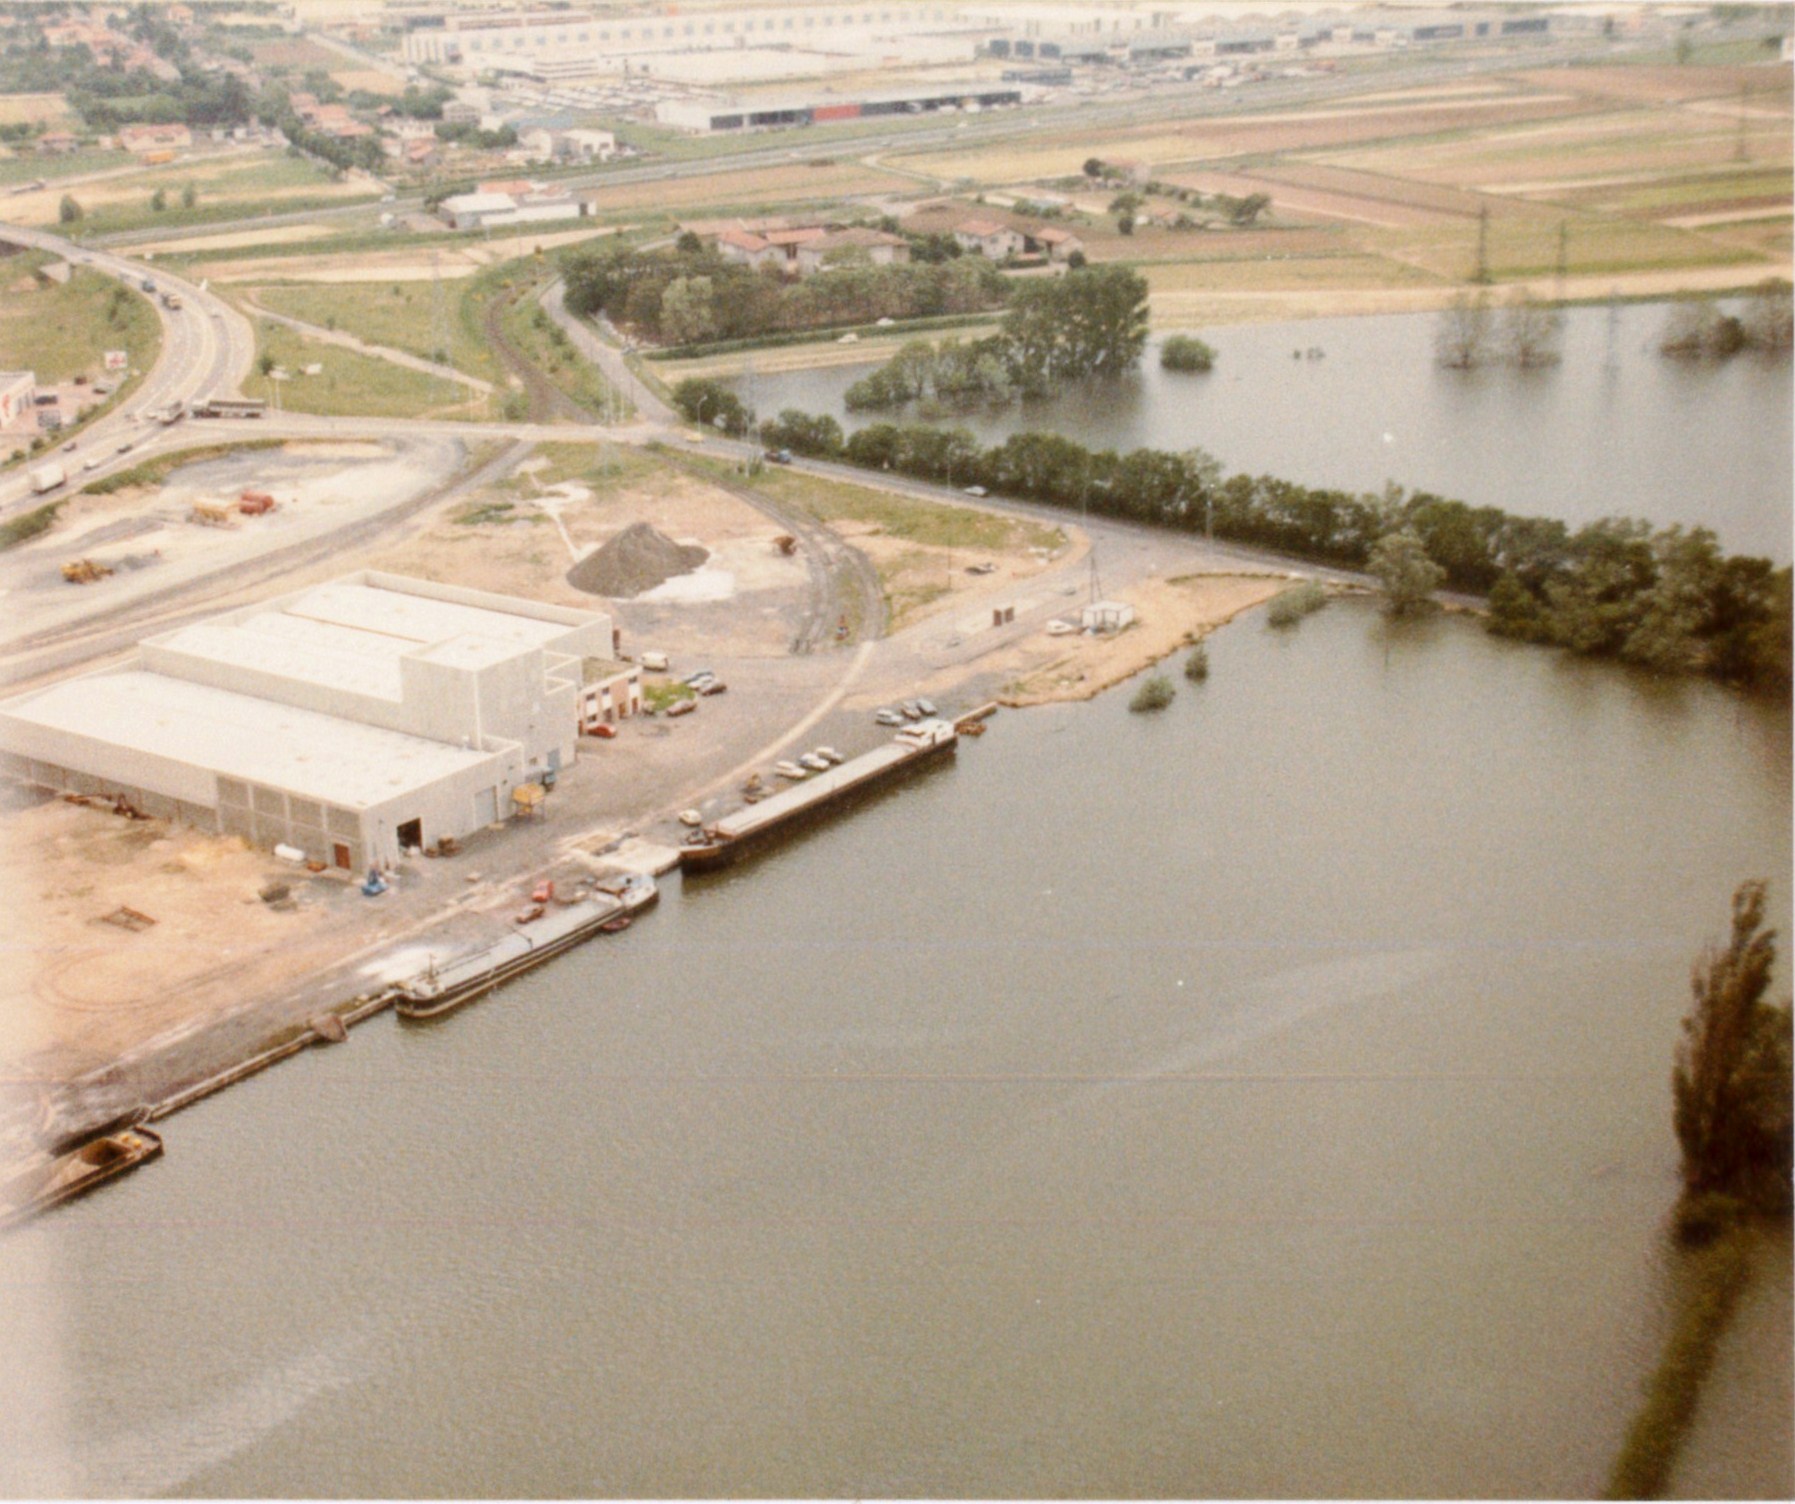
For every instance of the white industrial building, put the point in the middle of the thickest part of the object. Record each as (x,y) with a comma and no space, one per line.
(350,720)
(490,38)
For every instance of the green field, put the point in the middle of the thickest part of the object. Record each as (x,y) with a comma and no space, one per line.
(269,185)
(402,315)
(930,524)
(62,331)
(354,385)
(28,168)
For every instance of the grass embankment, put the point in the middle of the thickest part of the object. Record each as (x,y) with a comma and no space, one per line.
(27,525)
(657,696)
(349,384)
(63,330)
(546,346)
(1712,1279)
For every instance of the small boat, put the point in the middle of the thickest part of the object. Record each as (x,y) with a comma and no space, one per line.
(789,770)
(927,707)
(690,817)
(814,763)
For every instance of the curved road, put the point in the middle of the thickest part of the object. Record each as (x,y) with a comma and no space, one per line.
(207,350)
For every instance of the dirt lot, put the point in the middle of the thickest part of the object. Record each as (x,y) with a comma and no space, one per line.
(521,538)
(93,989)
(1169,614)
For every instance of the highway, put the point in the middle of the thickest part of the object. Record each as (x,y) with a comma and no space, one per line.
(207,349)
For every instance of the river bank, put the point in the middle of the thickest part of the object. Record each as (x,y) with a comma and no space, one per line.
(1241,1101)
(101,1040)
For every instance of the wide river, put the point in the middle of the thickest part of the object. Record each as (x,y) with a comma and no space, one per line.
(1265,1098)
(1614,429)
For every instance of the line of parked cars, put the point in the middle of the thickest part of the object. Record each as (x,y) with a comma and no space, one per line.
(910,710)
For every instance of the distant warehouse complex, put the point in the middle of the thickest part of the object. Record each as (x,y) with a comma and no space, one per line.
(351,720)
(493,38)
(707,115)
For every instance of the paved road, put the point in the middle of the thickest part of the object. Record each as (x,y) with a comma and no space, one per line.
(207,349)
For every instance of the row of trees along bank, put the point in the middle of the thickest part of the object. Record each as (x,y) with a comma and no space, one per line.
(1666,598)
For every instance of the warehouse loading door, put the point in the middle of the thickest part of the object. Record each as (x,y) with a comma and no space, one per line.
(411,835)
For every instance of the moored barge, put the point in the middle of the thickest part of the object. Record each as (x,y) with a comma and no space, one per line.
(439,989)
(748,829)
(75,1171)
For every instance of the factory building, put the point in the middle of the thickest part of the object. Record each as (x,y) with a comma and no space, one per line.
(705,116)
(488,39)
(352,720)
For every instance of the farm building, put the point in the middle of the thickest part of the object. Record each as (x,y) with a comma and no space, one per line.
(350,720)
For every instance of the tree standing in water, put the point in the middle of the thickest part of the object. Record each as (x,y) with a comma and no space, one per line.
(1731,1083)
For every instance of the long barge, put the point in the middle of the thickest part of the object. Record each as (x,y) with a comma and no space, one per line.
(748,829)
(75,1172)
(440,989)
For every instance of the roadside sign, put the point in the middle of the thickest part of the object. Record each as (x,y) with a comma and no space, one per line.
(117,360)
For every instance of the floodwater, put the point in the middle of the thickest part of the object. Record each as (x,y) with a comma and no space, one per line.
(1265,1098)
(1616,429)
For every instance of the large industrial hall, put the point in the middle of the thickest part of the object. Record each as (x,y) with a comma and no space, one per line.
(351,721)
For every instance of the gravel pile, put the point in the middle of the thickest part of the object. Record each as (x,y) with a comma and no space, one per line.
(636,560)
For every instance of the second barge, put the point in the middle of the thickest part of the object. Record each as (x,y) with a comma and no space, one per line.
(439,989)
(720,844)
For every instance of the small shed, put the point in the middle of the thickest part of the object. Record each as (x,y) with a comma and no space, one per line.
(1106,616)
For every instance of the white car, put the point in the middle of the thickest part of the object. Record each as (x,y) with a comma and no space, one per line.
(977,491)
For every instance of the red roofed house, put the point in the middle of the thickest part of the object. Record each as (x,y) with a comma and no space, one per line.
(1057,243)
(989,238)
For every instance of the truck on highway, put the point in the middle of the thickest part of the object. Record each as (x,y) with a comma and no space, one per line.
(171,300)
(173,413)
(47,478)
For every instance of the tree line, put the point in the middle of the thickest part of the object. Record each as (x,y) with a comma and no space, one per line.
(1090,322)
(690,293)
(1667,598)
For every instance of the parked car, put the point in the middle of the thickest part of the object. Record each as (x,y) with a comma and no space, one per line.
(697,674)
(682,707)
(779,456)
(604,730)
(713,687)
(889,718)
(912,711)
(927,707)
(977,491)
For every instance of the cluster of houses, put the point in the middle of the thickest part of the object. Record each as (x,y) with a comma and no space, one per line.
(108,47)
(328,119)
(799,250)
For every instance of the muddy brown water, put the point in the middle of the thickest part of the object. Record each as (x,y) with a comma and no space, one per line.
(1268,1097)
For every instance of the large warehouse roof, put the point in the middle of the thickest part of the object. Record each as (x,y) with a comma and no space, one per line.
(238,736)
(419,618)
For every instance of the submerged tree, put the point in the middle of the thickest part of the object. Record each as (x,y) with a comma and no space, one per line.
(1532,332)
(1409,577)
(1731,1083)
(1462,335)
